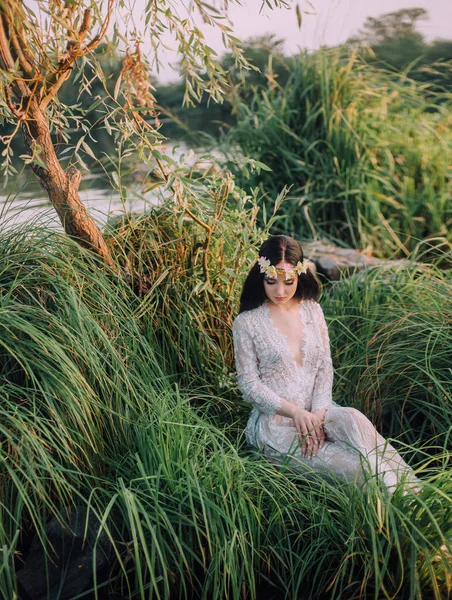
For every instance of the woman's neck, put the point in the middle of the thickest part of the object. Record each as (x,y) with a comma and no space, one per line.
(291,306)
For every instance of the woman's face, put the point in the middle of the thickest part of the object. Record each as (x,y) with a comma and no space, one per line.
(281,291)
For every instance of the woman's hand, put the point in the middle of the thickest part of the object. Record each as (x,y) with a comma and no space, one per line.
(309,426)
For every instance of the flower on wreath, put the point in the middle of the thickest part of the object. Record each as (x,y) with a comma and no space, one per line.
(289,271)
(301,266)
(263,263)
(271,272)
(267,268)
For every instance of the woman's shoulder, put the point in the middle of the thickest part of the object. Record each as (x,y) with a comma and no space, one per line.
(316,312)
(309,304)
(312,304)
(246,318)
(312,308)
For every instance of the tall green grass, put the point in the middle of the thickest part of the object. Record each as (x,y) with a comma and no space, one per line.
(391,335)
(186,260)
(93,415)
(366,151)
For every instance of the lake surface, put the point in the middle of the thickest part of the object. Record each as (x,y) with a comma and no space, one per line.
(31,203)
(26,201)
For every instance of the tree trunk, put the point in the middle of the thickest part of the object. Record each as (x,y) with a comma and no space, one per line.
(61,186)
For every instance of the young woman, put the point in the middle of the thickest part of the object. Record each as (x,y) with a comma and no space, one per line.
(284,369)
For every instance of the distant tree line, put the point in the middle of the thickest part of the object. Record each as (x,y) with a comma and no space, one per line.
(390,41)
(396,44)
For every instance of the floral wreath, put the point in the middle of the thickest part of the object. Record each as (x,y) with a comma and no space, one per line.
(272,272)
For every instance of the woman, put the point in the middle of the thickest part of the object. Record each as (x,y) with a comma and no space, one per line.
(284,370)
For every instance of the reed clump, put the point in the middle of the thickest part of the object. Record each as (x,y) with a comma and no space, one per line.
(391,338)
(365,151)
(95,415)
(186,260)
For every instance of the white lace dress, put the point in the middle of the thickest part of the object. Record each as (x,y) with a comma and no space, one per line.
(267,371)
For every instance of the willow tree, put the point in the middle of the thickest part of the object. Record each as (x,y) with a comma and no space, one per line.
(40,43)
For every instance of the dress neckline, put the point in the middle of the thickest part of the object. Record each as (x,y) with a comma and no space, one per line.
(266,305)
(283,338)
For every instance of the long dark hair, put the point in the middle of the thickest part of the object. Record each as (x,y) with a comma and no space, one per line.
(278,248)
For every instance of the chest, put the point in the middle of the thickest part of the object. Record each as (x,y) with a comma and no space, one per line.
(292,331)
(288,341)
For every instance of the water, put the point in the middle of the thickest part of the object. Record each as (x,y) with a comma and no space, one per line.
(27,201)
(101,200)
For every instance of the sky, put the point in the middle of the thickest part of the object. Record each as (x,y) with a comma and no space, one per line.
(330,22)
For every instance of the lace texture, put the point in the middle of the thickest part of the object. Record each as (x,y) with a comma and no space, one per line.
(267,372)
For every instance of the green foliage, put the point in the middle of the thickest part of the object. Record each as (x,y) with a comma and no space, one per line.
(82,111)
(91,418)
(389,42)
(265,54)
(390,26)
(365,153)
(43,44)
(390,329)
(395,43)
(186,258)
(267,66)
(117,389)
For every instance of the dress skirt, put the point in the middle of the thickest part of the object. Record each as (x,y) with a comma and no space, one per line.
(353,450)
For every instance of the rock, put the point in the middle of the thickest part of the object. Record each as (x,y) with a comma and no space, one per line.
(328,266)
(68,569)
(332,260)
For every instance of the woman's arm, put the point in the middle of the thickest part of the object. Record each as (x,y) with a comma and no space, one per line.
(323,384)
(249,382)
(308,425)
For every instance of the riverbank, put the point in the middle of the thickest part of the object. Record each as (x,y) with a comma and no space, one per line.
(139,426)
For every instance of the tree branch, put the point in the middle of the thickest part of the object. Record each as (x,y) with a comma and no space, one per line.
(12,107)
(74,51)
(17,47)
(100,36)
(57,81)
(7,61)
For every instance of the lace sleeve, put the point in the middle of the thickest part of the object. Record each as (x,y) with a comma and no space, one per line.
(252,388)
(323,384)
